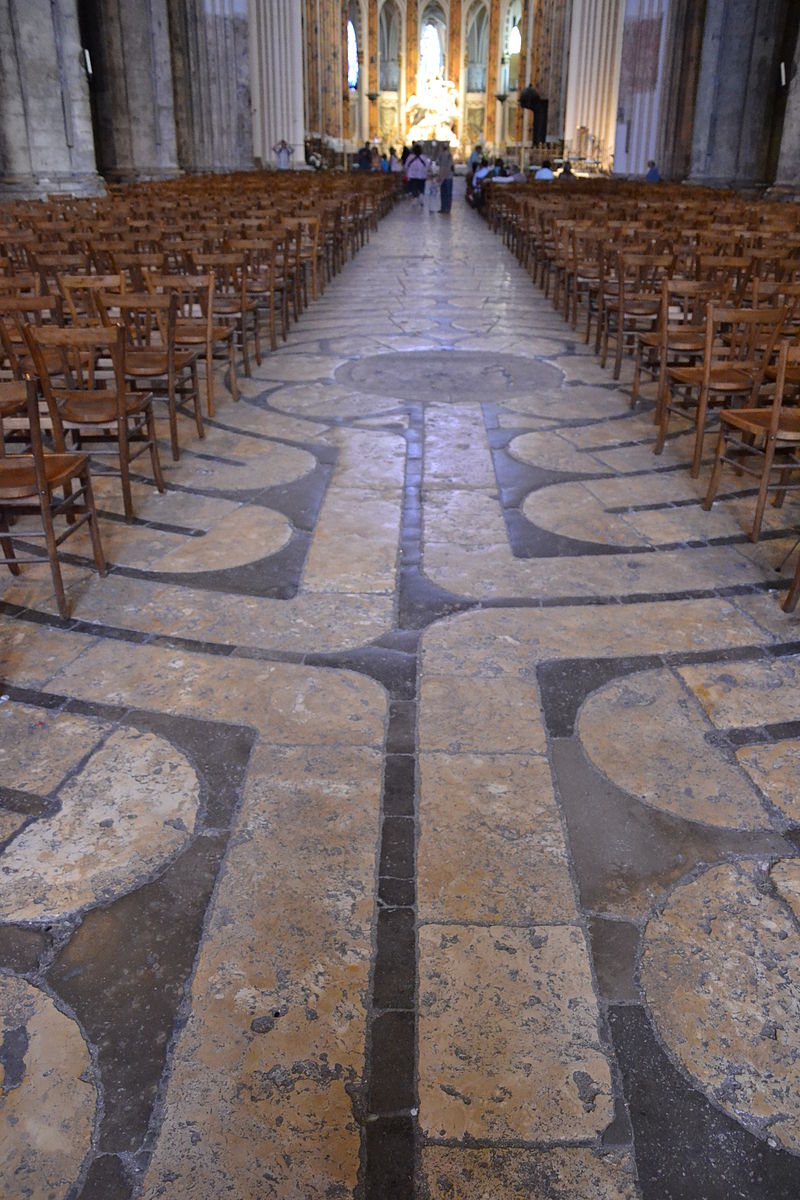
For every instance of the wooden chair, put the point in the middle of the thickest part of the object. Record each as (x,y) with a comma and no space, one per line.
(196,327)
(679,338)
(768,435)
(94,406)
(738,344)
(232,304)
(151,353)
(29,483)
(15,313)
(80,295)
(634,306)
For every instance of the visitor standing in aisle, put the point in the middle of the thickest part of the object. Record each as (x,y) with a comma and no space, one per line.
(445,180)
(283,152)
(416,172)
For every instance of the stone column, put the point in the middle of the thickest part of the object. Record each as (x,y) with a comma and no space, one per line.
(788,175)
(684,44)
(372,65)
(493,109)
(132,90)
(736,92)
(593,78)
(46,140)
(211,82)
(276,77)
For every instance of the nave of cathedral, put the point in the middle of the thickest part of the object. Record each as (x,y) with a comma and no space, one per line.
(412,810)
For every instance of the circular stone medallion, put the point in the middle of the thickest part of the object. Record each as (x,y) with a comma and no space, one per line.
(449,375)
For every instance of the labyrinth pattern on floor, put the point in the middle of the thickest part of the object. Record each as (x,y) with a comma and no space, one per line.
(414,808)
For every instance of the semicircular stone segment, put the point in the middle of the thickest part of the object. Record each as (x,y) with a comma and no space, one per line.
(455,375)
(721,975)
(47,1096)
(128,810)
(647,734)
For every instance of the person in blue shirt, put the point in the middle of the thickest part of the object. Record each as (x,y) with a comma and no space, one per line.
(652,175)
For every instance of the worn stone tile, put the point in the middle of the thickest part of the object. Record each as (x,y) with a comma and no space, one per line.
(324,400)
(39,748)
(456,447)
(747,693)
(127,812)
(295,705)
(486,715)
(273,465)
(247,534)
(508,1039)
(649,736)
(765,609)
(274,1046)
(570,509)
(448,514)
(492,572)
(49,1096)
(553,1173)
(495,643)
(491,845)
(31,654)
(721,973)
(775,770)
(308,623)
(290,368)
(354,548)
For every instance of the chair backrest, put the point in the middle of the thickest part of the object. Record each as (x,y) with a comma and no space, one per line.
(148,318)
(79,350)
(194,294)
(785,381)
(80,294)
(16,312)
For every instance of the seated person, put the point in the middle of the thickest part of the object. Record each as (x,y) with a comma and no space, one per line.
(545,171)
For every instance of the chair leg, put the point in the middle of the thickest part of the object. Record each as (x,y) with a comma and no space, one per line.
(793,594)
(257,335)
(154,459)
(125,469)
(198,413)
(94,528)
(7,547)
(232,364)
(700,431)
(716,474)
(761,498)
(173,420)
(52,554)
(245,352)
(210,379)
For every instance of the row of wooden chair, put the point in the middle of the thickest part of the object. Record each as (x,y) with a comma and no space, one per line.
(709,309)
(106,306)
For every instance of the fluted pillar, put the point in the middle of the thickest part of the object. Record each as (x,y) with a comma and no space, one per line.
(46,141)
(593,78)
(211,82)
(276,77)
(739,73)
(131,87)
(788,174)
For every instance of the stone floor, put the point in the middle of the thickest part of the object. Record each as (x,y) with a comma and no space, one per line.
(414,808)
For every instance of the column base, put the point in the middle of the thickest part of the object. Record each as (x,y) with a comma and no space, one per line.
(33,187)
(732,183)
(141,174)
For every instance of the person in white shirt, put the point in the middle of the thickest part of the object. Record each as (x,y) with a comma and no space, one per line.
(283,152)
(416,172)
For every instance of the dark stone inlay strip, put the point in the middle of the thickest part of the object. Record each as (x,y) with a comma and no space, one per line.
(685,1147)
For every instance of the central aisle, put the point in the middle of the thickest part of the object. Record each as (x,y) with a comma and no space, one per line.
(452,852)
